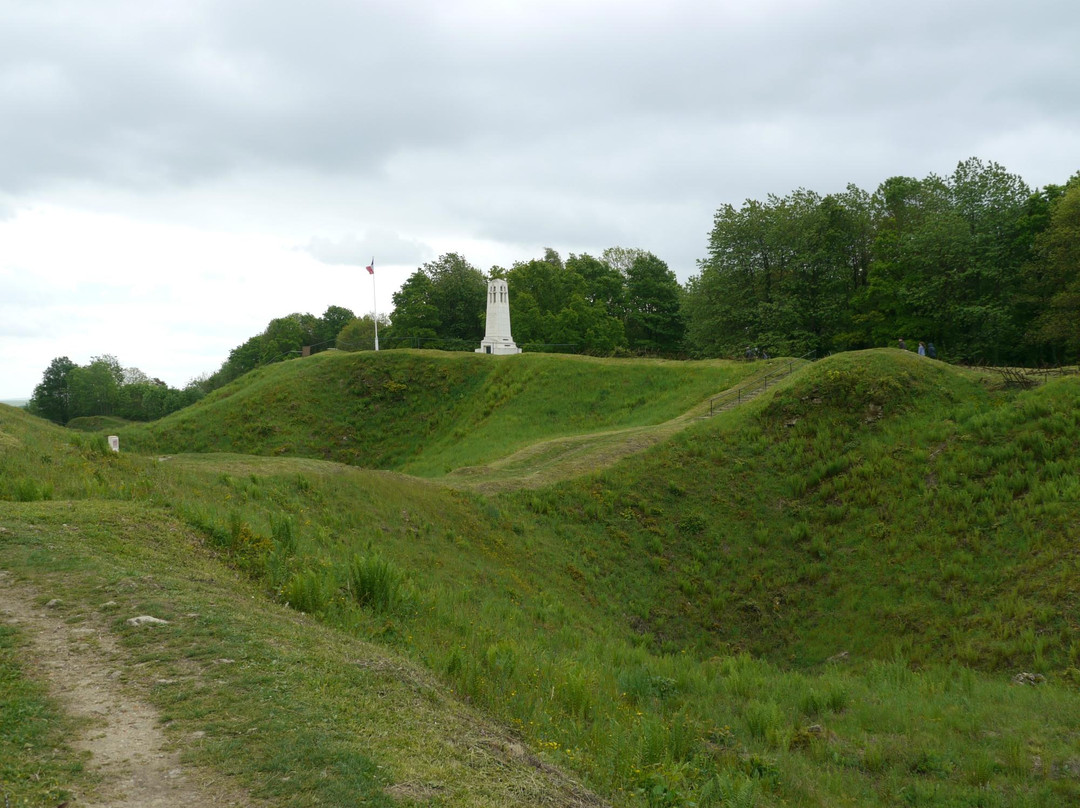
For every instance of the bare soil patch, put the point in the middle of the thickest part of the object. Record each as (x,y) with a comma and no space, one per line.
(82,665)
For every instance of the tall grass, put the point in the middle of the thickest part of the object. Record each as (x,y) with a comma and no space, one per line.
(819,597)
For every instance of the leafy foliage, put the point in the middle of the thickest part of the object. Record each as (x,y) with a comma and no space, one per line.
(1056,273)
(442,301)
(653,318)
(961,261)
(104,389)
(359,333)
(284,338)
(52,397)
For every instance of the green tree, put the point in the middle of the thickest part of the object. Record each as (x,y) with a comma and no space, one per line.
(947,262)
(1055,273)
(604,284)
(621,258)
(415,317)
(359,333)
(243,358)
(552,303)
(444,300)
(539,290)
(52,397)
(654,319)
(286,336)
(95,388)
(913,286)
(459,294)
(329,326)
(992,203)
(723,300)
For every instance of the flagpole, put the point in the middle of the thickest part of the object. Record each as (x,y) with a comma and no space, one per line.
(374,301)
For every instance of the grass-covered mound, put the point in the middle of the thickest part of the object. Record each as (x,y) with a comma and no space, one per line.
(877,504)
(97,423)
(290,711)
(428,412)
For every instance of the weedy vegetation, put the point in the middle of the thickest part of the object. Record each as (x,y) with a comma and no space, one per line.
(824,596)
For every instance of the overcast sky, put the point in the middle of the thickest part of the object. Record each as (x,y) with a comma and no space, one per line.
(174,174)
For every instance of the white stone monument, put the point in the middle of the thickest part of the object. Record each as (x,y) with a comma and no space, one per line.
(114,443)
(497,339)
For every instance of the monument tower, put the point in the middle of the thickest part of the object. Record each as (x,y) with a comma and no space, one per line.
(497,339)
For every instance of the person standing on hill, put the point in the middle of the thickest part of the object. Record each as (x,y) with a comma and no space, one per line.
(922,348)
(931,351)
(903,345)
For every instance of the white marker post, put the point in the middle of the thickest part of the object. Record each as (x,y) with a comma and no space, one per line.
(374,302)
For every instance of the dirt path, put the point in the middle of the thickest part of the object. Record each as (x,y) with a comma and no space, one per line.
(81,664)
(550,461)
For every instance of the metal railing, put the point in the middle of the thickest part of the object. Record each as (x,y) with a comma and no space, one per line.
(757,385)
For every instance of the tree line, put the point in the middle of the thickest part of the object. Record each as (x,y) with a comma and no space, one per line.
(103,387)
(976,262)
(625,300)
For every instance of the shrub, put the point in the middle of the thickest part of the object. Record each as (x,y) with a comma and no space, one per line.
(375,583)
(284,538)
(309,591)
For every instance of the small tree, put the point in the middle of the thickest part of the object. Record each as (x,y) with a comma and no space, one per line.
(654,319)
(52,398)
(95,388)
(329,326)
(359,334)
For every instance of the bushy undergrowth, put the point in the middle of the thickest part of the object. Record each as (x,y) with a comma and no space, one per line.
(817,598)
(375,583)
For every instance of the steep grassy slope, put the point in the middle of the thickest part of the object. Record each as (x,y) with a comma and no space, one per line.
(428,412)
(877,504)
(279,706)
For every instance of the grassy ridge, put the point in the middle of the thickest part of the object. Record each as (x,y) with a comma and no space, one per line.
(97,423)
(878,504)
(428,412)
(291,711)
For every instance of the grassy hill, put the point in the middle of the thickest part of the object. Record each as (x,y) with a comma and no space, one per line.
(818,598)
(429,412)
(97,423)
(874,504)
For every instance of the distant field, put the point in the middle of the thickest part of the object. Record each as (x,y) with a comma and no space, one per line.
(15,402)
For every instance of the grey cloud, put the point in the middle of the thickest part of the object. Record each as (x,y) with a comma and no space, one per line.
(386,246)
(339,87)
(529,126)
